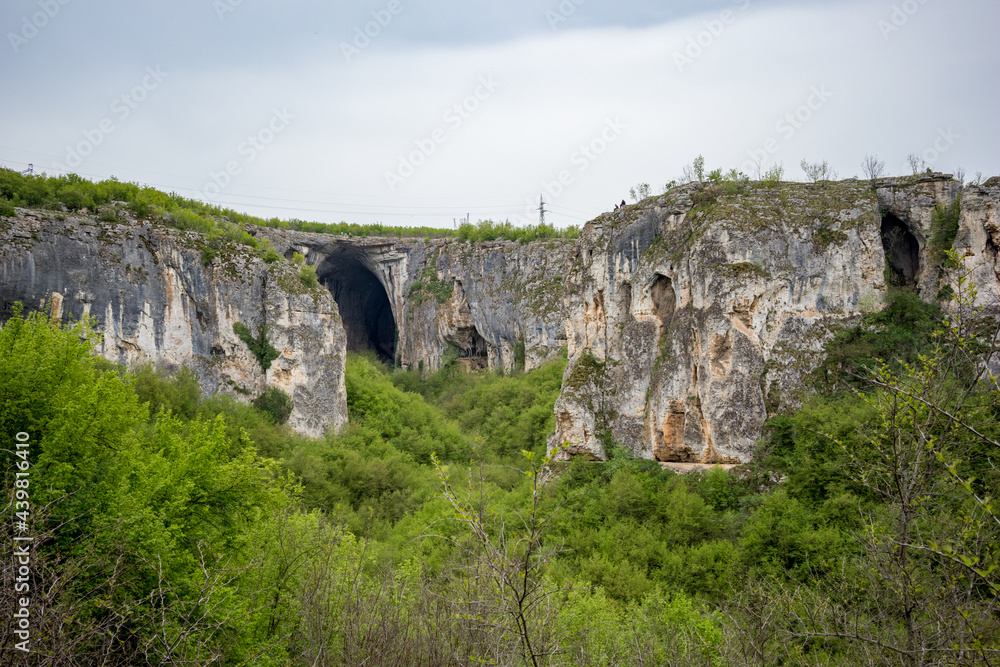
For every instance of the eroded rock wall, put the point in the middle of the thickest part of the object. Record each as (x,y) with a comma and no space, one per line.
(699,312)
(154,300)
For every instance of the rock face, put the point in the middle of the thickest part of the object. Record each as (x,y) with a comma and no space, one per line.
(494,305)
(686,318)
(154,300)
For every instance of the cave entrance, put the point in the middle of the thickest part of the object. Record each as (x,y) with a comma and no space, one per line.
(902,251)
(364,305)
(664,299)
(472,348)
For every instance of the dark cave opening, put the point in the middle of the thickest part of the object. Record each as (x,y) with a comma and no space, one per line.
(363,302)
(902,251)
(473,350)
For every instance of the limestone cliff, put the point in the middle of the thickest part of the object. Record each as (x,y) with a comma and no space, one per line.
(154,299)
(687,318)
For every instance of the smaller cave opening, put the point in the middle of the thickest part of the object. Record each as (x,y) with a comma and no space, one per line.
(664,300)
(473,349)
(902,251)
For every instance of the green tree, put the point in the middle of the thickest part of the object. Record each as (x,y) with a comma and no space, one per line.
(508,589)
(142,530)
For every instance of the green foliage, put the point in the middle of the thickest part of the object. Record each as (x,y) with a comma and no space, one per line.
(586,369)
(108,214)
(773,176)
(860,509)
(307,274)
(274,403)
(818,171)
(944,228)
(397,416)
(823,237)
(699,167)
(122,508)
(487,230)
(178,393)
(7,209)
(899,332)
(428,286)
(519,355)
(510,414)
(784,538)
(262,350)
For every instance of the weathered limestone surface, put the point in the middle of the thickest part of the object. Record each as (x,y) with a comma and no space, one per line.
(497,304)
(698,313)
(154,300)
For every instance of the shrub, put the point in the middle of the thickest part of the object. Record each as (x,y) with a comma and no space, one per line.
(773,175)
(74,198)
(259,346)
(7,209)
(108,214)
(944,228)
(274,403)
(307,274)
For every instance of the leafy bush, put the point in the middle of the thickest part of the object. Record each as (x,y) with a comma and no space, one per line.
(178,393)
(898,332)
(944,228)
(75,198)
(307,274)
(262,350)
(274,403)
(147,514)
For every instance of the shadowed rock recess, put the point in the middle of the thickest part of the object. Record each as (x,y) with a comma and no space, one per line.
(685,317)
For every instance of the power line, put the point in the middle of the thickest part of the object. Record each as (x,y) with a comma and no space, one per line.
(256,187)
(351,208)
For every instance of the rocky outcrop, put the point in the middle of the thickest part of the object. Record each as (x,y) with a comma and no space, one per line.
(687,318)
(154,299)
(699,312)
(494,305)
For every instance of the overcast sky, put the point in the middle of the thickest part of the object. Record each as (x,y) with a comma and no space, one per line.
(418,113)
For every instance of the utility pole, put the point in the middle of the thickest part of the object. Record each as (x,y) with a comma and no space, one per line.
(541,210)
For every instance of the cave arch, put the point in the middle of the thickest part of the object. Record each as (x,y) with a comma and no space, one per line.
(902,251)
(364,304)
